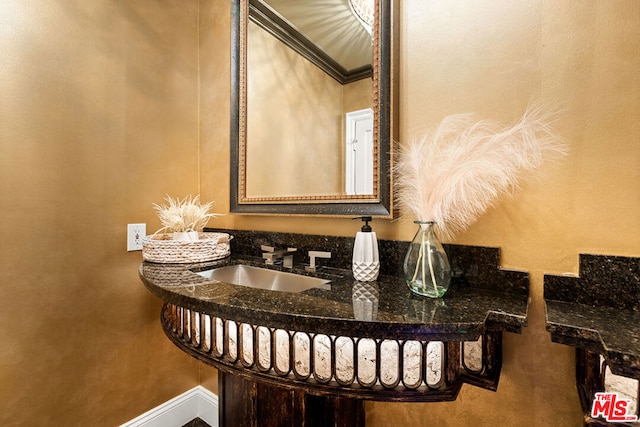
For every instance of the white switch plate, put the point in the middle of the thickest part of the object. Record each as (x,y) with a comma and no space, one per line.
(135,233)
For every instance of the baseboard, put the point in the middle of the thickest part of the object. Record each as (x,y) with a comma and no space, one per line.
(197,402)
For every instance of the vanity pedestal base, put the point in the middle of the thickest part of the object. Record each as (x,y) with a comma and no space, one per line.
(249,403)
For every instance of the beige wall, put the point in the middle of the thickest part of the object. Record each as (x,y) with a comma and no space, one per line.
(492,58)
(102,114)
(98,120)
(294,115)
(358,95)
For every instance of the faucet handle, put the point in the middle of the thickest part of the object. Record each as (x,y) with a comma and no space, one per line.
(268,253)
(313,255)
(271,255)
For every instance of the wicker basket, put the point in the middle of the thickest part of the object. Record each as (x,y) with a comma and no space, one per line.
(162,248)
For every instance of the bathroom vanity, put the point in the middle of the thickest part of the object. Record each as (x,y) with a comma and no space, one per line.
(311,357)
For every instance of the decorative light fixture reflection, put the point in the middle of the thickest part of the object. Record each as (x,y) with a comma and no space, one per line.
(364,10)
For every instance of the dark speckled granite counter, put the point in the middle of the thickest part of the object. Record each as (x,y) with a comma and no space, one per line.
(463,314)
(351,342)
(599,311)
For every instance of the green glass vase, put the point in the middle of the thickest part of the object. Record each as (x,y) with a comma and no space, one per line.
(426,265)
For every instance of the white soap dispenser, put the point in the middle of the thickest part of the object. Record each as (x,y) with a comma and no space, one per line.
(366,263)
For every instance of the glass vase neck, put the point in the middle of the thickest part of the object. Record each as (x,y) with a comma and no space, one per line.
(425,224)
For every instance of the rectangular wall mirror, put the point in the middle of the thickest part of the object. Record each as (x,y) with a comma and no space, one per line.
(312,108)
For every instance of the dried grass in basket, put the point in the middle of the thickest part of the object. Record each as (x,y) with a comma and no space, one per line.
(161,248)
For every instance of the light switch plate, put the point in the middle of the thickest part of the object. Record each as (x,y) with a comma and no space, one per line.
(135,233)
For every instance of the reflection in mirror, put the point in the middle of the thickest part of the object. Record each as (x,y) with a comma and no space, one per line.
(295,111)
(311,108)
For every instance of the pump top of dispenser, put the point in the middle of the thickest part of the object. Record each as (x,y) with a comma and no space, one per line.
(366,228)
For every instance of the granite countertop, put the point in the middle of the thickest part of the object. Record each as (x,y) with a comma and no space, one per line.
(599,311)
(463,314)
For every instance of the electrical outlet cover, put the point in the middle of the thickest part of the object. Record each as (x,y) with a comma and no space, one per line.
(135,233)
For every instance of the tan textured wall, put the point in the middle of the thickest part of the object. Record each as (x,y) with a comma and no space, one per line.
(294,115)
(492,58)
(358,95)
(98,120)
(100,99)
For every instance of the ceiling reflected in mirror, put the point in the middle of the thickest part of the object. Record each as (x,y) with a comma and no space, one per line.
(326,32)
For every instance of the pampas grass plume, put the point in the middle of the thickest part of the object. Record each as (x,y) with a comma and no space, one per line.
(187,214)
(455,172)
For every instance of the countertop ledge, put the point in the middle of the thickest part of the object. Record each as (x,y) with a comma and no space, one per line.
(464,313)
(599,310)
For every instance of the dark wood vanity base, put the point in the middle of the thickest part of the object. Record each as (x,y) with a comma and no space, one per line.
(244,401)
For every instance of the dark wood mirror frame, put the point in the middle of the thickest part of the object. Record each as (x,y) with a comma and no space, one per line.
(385,127)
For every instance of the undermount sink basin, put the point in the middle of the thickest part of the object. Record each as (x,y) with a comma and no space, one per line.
(263,278)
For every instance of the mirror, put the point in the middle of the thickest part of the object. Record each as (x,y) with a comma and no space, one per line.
(312,113)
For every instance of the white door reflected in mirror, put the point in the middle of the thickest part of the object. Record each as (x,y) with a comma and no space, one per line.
(359,152)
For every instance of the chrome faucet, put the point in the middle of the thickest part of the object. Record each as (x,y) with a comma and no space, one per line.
(271,255)
(313,255)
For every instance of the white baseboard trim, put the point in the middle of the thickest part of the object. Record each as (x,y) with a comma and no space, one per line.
(197,402)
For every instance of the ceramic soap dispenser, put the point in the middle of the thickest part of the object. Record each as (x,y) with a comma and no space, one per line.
(366,263)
